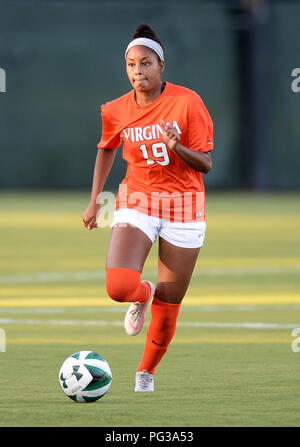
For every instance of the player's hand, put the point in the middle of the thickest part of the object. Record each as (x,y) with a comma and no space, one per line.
(170,134)
(90,215)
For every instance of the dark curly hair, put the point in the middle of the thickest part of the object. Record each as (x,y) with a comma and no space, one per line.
(144,30)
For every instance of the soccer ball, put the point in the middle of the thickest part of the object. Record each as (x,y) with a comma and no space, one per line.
(85,376)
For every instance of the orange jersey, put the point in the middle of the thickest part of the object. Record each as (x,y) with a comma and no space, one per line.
(158,182)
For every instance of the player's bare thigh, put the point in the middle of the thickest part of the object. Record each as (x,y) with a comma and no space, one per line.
(175,269)
(128,247)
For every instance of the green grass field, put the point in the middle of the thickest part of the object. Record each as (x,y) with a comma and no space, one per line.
(230,363)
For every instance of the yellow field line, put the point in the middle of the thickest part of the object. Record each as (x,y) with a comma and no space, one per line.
(74,220)
(289,298)
(90,340)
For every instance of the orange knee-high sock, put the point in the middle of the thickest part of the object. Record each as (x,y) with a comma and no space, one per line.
(160,333)
(124,285)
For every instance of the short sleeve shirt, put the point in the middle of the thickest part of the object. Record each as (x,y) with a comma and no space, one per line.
(157,179)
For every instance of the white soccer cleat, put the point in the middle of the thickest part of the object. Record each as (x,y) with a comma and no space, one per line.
(135,316)
(144,381)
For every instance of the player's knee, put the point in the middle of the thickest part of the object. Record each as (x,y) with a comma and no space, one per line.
(121,284)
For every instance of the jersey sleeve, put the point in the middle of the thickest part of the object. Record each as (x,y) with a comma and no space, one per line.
(111,138)
(200,126)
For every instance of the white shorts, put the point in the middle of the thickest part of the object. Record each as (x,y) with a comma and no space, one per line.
(182,234)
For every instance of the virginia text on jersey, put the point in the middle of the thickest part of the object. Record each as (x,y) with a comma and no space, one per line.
(135,134)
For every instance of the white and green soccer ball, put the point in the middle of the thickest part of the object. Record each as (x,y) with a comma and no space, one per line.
(85,376)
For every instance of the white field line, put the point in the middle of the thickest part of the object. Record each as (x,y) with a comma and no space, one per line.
(192,324)
(85,276)
(51,277)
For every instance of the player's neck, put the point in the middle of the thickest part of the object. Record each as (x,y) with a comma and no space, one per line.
(146,98)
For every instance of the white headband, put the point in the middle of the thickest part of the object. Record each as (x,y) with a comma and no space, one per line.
(147,43)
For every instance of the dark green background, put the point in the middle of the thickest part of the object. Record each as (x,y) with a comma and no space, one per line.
(63,59)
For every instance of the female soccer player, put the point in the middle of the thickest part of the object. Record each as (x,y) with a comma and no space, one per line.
(167,138)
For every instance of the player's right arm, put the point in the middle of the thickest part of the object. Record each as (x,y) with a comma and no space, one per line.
(103,164)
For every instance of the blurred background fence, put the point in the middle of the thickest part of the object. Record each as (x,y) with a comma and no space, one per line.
(63,59)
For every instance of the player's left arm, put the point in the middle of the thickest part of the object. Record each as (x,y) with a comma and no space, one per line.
(198,160)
